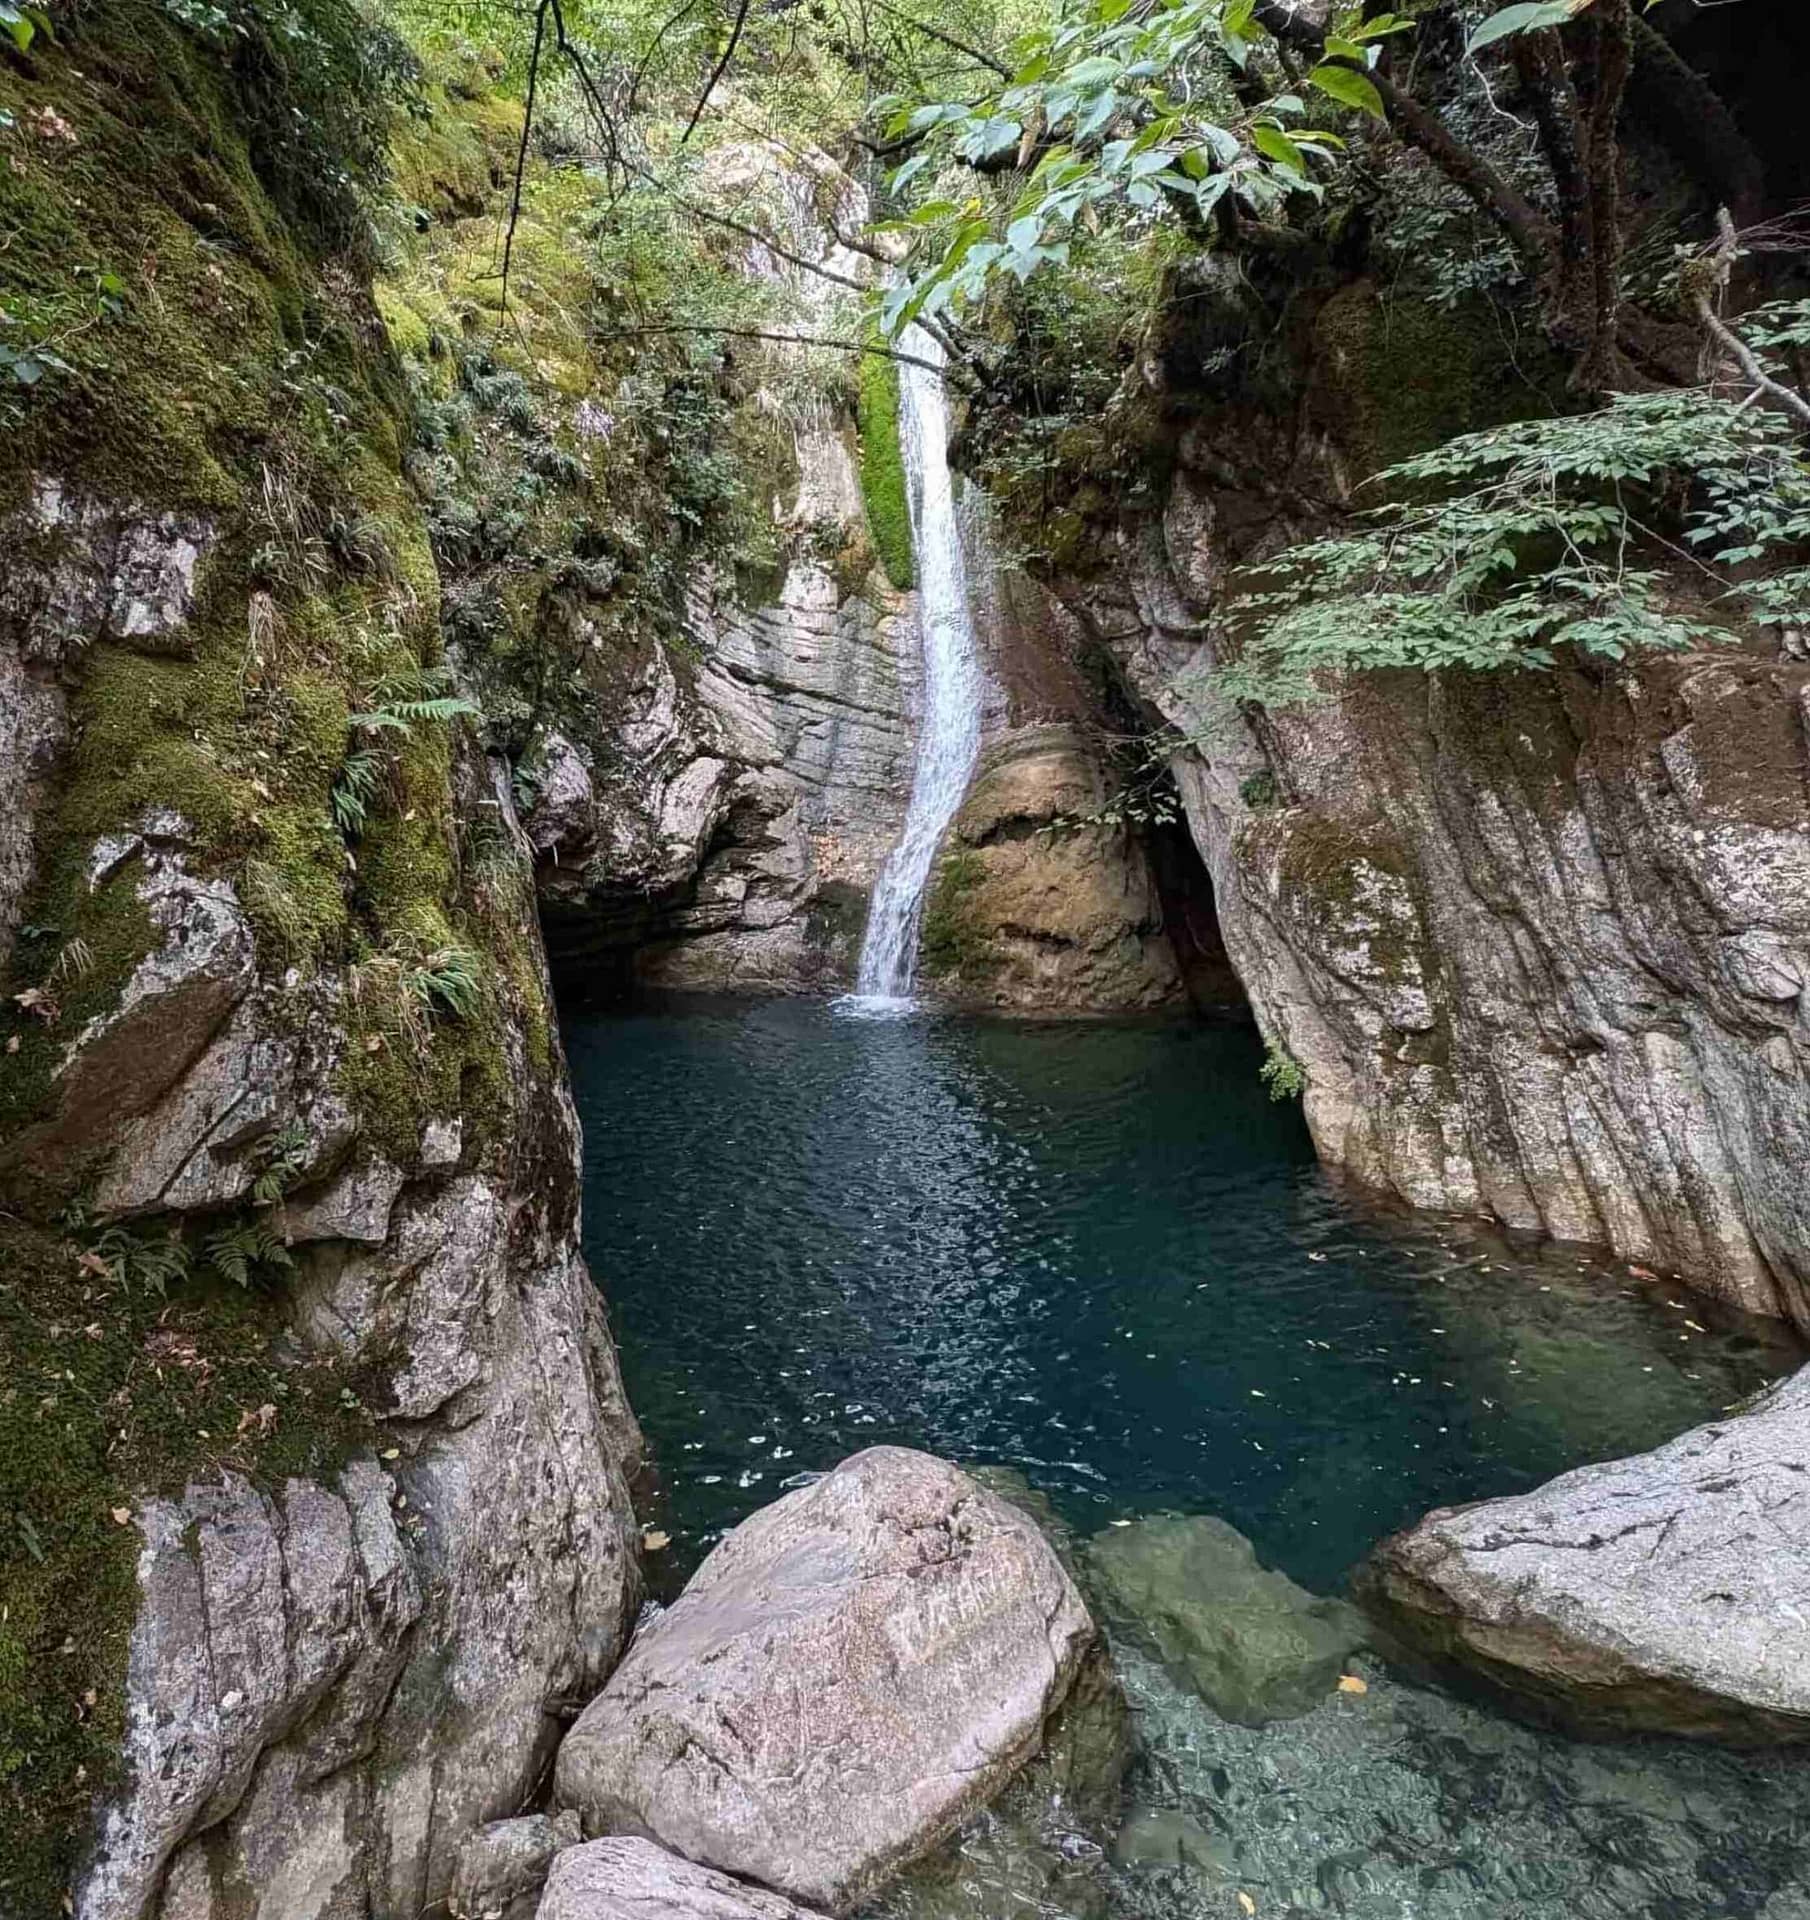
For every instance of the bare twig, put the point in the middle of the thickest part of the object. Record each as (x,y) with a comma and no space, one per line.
(521,152)
(786,339)
(947,39)
(717,72)
(1705,288)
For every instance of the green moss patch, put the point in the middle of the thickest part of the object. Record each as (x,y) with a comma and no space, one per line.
(1397,375)
(955,942)
(111,1393)
(883,469)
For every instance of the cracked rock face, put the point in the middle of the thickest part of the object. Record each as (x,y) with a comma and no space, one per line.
(1538,941)
(849,1674)
(333,1682)
(503,1866)
(77,570)
(1669,1593)
(635,1880)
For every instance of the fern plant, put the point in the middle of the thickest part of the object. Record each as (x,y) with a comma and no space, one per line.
(246,1251)
(285,1153)
(1504,548)
(131,1260)
(415,696)
(449,980)
(354,788)
(400,702)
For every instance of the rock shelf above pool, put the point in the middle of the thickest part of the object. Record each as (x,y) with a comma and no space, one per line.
(849,1674)
(1667,1593)
(629,1879)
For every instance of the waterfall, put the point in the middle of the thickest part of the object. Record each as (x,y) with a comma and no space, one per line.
(954,684)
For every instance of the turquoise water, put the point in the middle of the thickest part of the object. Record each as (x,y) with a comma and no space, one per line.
(1099,1254)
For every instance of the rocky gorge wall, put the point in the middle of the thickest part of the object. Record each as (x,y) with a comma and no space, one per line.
(1537,943)
(314,1447)
(336,650)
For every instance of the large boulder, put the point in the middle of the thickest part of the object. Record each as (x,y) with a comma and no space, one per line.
(1251,1643)
(1669,1593)
(630,1879)
(850,1673)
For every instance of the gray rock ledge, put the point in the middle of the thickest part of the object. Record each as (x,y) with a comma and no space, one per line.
(1669,1593)
(635,1880)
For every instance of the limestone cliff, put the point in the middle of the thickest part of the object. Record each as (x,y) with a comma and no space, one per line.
(1538,943)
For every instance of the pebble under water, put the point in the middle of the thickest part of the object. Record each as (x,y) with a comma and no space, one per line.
(1098,1254)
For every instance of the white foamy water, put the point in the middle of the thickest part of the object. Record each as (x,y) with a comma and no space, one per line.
(954,688)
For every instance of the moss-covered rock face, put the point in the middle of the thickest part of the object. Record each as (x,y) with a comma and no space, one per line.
(1038,903)
(284,1150)
(1396,374)
(192,1383)
(883,469)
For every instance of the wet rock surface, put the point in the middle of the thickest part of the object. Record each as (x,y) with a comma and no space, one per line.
(503,1866)
(631,1879)
(1665,1593)
(1037,904)
(853,1671)
(1251,1643)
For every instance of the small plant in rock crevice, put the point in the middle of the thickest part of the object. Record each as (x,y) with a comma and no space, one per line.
(449,981)
(1282,1074)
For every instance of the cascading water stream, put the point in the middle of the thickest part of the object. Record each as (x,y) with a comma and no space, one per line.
(954,685)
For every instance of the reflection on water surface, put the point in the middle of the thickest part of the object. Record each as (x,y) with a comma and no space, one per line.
(1098,1253)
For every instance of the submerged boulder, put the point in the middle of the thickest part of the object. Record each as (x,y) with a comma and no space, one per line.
(635,1880)
(1251,1643)
(1668,1593)
(850,1674)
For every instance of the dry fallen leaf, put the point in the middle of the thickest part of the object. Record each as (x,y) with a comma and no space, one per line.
(1245,1902)
(653,1540)
(122,1516)
(1350,1683)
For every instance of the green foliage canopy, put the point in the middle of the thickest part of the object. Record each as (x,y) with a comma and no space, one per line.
(1502,548)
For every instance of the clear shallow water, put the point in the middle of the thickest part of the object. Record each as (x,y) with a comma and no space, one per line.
(1099,1254)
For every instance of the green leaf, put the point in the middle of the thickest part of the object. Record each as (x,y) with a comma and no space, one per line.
(1098,71)
(1528,16)
(1349,87)
(17,26)
(1275,145)
(1384,23)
